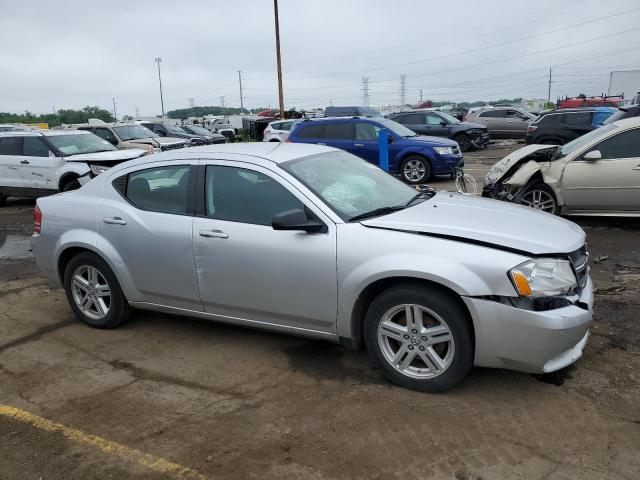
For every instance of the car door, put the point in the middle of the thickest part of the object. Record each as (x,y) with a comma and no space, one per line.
(575,124)
(516,123)
(436,125)
(12,170)
(414,122)
(145,224)
(494,120)
(611,183)
(42,164)
(310,133)
(340,135)
(251,272)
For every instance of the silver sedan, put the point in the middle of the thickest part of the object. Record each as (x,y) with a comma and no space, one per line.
(313,241)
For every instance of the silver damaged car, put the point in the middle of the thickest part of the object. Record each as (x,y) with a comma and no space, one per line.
(313,241)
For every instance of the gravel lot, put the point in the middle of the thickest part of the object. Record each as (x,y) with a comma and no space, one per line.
(169,397)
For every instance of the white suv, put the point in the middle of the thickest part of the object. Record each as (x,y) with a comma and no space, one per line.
(278,131)
(38,163)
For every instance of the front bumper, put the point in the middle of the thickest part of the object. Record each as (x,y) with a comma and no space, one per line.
(481,140)
(447,164)
(530,341)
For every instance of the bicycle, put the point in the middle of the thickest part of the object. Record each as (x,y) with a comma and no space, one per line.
(464,182)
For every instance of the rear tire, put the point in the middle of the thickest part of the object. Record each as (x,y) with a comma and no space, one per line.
(464,141)
(415,169)
(3,200)
(420,337)
(94,293)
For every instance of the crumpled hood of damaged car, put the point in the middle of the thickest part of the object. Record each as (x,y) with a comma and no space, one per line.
(499,169)
(487,222)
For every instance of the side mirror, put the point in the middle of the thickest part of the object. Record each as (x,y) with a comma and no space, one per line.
(296,219)
(443,123)
(592,155)
(389,138)
(112,141)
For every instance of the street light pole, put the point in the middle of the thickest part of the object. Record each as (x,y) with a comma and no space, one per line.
(280,95)
(241,102)
(158,60)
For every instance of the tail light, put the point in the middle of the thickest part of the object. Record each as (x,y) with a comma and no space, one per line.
(288,141)
(37,220)
(532,128)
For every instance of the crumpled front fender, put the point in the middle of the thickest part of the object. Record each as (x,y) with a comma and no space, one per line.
(523,174)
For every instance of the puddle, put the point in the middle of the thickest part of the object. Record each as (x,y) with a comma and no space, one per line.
(14,246)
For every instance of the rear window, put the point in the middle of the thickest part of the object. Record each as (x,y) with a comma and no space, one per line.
(162,189)
(10,145)
(311,131)
(578,118)
(34,147)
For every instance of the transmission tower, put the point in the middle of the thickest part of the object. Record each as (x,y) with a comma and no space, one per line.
(192,102)
(403,89)
(222,101)
(365,90)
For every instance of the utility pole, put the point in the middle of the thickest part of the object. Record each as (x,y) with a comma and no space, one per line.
(365,91)
(158,60)
(278,59)
(549,92)
(53,107)
(403,90)
(420,95)
(137,113)
(114,108)
(241,102)
(222,101)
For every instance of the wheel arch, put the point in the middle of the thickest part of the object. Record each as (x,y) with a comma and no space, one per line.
(373,289)
(66,178)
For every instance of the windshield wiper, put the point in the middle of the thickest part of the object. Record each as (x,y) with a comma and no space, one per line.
(376,212)
(425,195)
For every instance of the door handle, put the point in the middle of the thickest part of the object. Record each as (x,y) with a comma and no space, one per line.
(24,161)
(213,234)
(114,221)
(358,144)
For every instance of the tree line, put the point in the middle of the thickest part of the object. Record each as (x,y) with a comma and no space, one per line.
(66,116)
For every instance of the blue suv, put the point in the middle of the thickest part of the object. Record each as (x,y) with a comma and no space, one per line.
(414,157)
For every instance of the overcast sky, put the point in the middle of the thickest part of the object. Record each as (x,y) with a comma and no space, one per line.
(69,54)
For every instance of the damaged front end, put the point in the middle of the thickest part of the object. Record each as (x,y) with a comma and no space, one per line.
(508,177)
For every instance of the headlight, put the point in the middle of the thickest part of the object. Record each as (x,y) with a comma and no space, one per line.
(444,150)
(98,169)
(544,277)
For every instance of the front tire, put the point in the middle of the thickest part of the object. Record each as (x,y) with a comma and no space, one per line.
(94,293)
(415,169)
(539,196)
(420,337)
(464,141)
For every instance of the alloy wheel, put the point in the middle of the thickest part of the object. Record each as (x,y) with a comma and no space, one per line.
(414,170)
(416,341)
(91,292)
(540,200)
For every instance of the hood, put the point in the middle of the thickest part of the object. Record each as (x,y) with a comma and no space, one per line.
(169,140)
(431,141)
(473,125)
(487,222)
(499,169)
(123,155)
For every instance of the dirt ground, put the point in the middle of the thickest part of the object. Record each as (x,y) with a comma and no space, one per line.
(213,401)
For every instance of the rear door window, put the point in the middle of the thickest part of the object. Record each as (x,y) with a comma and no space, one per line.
(106,134)
(367,131)
(494,114)
(433,119)
(578,118)
(339,131)
(161,189)
(10,145)
(312,131)
(34,147)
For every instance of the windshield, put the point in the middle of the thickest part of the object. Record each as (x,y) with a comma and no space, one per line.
(579,142)
(616,116)
(172,129)
(80,143)
(348,184)
(196,129)
(449,118)
(224,125)
(396,128)
(133,132)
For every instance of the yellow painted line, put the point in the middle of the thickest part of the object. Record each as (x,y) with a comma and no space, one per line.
(147,460)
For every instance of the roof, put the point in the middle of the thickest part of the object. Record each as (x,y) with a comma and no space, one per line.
(46,133)
(627,122)
(259,153)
